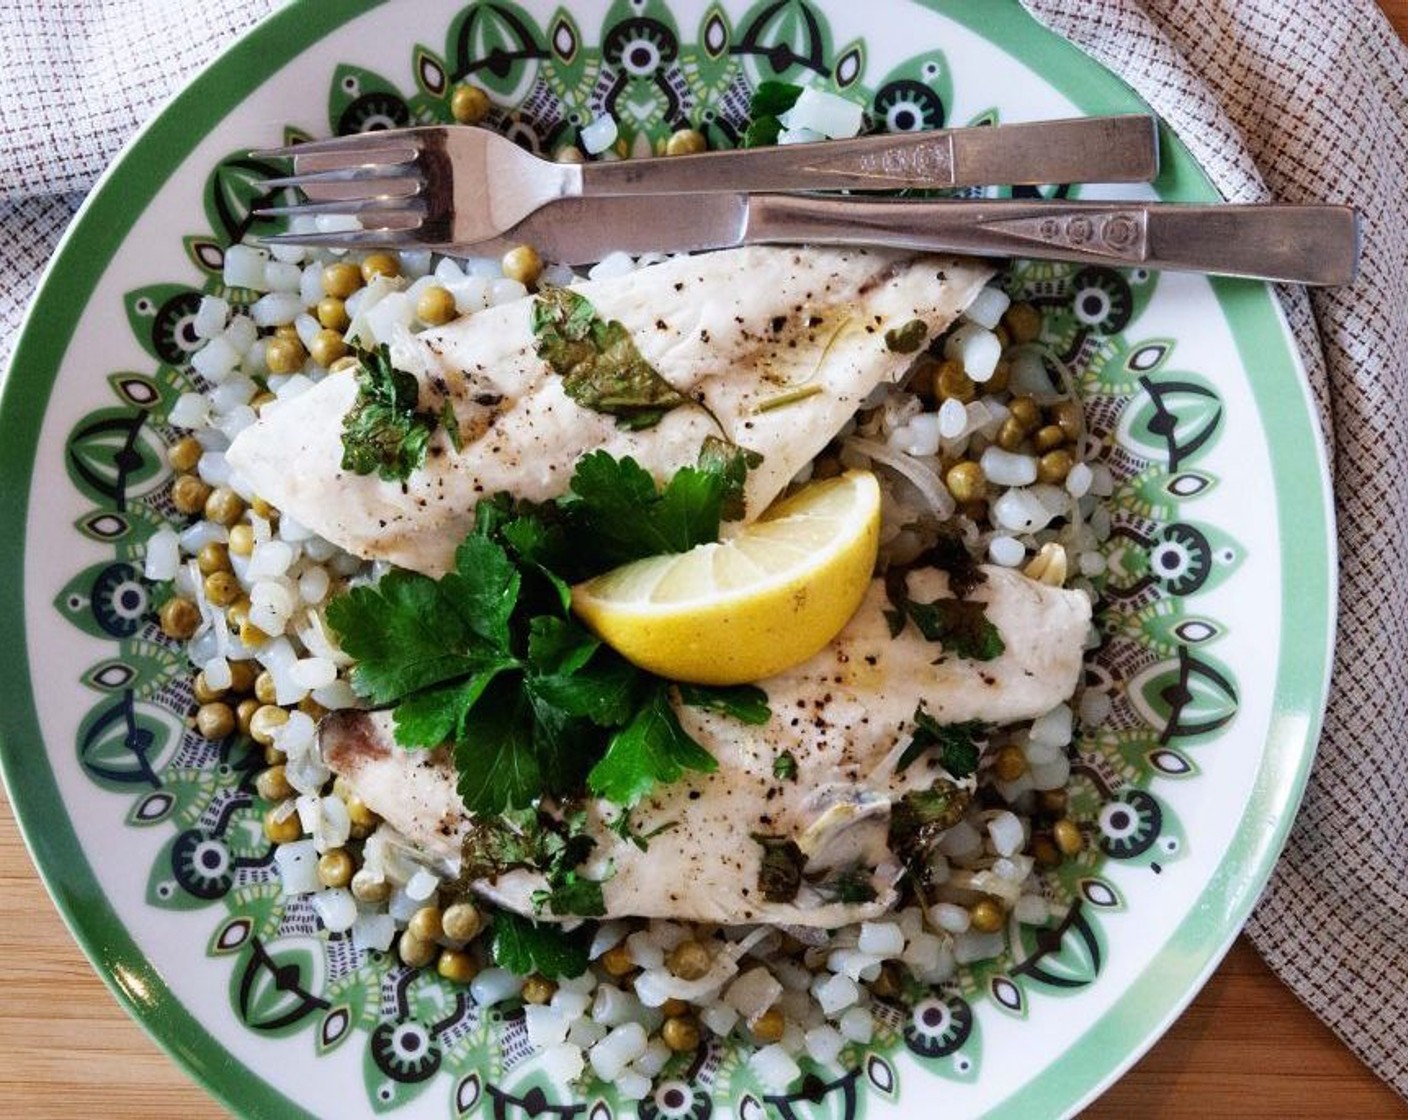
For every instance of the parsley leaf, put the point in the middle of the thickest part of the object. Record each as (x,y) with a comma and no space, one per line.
(433,716)
(604,691)
(652,748)
(620,516)
(956,743)
(497,763)
(599,364)
(770,100)
(383,433)
(746,703)
(406,636)
(483,588)
(733,463)
(523,947)
(784,767)
(961,626)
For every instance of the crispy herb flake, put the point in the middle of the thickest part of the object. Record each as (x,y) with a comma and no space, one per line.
(780,873)
(908,338)
(598,361)
(920,817)
(383,433)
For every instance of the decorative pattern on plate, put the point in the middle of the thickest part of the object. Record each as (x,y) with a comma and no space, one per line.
(1148,421)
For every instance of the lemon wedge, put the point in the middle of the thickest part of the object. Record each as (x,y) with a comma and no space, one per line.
(745,608)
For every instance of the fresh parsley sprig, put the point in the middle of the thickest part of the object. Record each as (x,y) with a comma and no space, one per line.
(489,659)
(770,100)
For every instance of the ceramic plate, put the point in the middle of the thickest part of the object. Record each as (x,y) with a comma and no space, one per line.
(1217,605)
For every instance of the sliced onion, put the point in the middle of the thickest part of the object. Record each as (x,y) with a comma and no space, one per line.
(924,478)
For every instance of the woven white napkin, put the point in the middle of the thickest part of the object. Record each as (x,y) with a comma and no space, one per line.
(1309,102)
(1300,102)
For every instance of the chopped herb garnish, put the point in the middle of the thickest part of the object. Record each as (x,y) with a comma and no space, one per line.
(908,338)
(621,826)
(949,554)
(524,947)
(780,873)
(537,841)
(598,361)
(770,100)
(383,433)
(961,626)
(956,743)
(784,767)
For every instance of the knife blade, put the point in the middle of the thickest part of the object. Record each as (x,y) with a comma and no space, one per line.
(1310,244)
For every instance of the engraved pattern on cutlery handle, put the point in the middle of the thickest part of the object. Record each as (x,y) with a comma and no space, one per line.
(1120,234)
(910,162)
(1297,244)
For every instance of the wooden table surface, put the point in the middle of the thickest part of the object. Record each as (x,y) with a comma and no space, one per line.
(1245,1048)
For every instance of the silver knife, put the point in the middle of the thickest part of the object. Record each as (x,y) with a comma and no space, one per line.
(1314,244)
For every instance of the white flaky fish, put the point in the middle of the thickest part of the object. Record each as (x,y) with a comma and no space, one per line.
(845,716)
(777,347)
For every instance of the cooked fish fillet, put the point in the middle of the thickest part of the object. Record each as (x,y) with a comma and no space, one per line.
(846,716)
(734,330)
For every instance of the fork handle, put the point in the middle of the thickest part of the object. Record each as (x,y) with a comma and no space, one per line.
(1292,244)
(1117,149)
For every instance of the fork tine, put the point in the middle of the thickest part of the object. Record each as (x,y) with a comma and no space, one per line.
(360,173)
(340,145)
(383,204)
(349,239)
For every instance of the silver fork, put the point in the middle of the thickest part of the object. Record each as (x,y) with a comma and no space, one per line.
(442,185)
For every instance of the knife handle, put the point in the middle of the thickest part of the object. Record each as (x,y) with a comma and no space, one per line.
(1118,149)
(1316,244)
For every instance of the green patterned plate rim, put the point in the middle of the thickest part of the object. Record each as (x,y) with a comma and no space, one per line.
(1140,394)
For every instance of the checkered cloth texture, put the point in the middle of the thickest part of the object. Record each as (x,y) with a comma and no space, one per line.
(1299,102)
